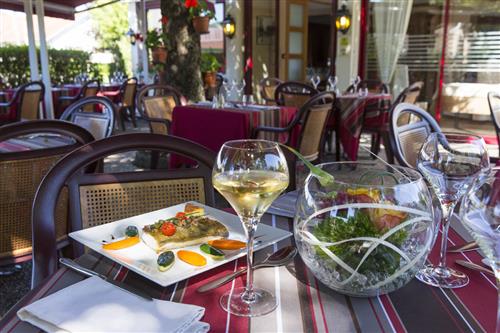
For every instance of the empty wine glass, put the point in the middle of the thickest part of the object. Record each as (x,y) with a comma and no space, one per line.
(250,174)
(332,83)
(355,83)
(450,162)
(315,80)
(480,214)
(240,86)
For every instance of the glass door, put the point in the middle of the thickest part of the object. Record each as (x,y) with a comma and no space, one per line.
(295,54)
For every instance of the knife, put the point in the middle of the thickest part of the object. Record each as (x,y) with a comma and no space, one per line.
(80,269)
(475,267)
(469,246)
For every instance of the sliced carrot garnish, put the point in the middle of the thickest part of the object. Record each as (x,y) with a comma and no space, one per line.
(192,258)
(227,244)
(121,244)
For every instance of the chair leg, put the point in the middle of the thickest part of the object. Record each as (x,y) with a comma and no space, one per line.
(388,150)
(337,146)
(121,115)
(155,157)
(131,110)
(375,144)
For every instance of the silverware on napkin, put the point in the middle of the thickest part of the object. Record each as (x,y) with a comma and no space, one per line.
(469,246)
(475,267)
(80,269)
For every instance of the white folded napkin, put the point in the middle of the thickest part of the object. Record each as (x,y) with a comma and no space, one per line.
(93,305)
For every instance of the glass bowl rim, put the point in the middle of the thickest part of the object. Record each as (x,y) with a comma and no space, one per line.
(413,172)
(270,144)
(459,136)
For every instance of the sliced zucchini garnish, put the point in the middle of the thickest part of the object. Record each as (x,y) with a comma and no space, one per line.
(165,260)
(214,253)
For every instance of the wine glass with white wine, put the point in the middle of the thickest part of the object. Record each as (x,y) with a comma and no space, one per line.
(480,214)
(250,174)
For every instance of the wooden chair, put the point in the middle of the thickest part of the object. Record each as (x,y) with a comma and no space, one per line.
(409,95)
(312,118)
(22,172)
(407,139)
(26,101)
(292,93)
(267,87)
(84,113)
(126,106)
(120,195)
(89,89)
(156,103)
(494,103)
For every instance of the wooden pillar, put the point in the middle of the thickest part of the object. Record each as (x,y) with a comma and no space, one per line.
(363,33)
(247,42)
(442,61)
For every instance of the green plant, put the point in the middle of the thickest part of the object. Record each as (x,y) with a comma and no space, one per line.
(198,8)
(209,63)
(64,65)
(155,38)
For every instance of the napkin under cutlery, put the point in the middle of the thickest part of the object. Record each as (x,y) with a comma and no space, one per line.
(94,305)
(284,205)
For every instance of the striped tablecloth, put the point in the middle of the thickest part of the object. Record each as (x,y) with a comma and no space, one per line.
(306,305)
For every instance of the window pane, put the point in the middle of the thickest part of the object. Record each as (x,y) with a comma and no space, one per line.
(295,43)
(296,16)
(295,69)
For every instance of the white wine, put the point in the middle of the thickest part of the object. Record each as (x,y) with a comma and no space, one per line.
(250,192)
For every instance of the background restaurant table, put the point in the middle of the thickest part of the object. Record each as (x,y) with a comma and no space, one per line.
(212,127)
(305,304)
(357,111)
(34,142)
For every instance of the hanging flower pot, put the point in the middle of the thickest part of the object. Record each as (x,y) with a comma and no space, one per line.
(159,54)
(200,24)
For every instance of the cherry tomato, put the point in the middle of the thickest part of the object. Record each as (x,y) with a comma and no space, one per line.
(168,228)
(181,216)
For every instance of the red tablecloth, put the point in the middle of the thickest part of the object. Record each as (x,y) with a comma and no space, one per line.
(212,127)
(355,112)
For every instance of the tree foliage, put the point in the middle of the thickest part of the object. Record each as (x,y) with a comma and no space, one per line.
(110,26)
(64,65)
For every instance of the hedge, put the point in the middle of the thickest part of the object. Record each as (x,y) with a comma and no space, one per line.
(64,65)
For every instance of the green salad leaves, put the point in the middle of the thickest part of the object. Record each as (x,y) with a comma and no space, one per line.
(382,260)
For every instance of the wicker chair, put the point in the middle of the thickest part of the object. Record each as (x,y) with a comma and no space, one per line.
(22,172)
(312,118)
(126,106)
(156,103)
(494,103)
(89,89)
(100,124)
(27,100)
(292,93)
(407,139)
(120,195)
(267,89)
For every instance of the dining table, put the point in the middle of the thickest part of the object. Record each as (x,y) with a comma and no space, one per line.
(34,142)
(356,111)
(304,303)
(211,127)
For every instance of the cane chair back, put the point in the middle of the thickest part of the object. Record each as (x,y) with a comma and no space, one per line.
(100,124)
(494,103)
(27,98)
(128,91)
(120,195)
(406,140)
(316,113)
(156,104)
(409,95)
(90,89)
(292,93)
(268,89)
(22,172)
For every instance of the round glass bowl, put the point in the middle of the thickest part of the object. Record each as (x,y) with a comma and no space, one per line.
(369,231)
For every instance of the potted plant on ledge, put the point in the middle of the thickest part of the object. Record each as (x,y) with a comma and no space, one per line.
(209,67)
(157,43)
(200,14)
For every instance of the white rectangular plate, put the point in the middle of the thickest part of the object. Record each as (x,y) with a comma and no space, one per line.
(142,259)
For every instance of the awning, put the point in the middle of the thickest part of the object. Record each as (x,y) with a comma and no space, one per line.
(55,8)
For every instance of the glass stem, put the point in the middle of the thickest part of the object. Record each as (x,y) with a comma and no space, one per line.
(250,227)
(447,210)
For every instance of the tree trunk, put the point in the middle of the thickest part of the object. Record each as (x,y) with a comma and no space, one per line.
(182,69)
